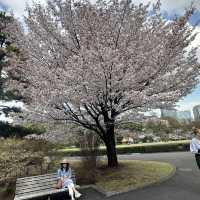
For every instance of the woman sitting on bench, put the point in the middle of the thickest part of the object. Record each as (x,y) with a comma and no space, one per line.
(65,181)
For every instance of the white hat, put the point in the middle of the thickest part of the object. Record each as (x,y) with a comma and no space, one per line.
(64,161)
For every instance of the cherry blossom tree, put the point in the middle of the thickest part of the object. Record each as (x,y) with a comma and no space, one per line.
(93,64)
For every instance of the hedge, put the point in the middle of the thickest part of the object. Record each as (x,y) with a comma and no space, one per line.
(135,148)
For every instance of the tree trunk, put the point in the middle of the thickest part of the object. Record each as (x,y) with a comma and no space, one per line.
(111,147)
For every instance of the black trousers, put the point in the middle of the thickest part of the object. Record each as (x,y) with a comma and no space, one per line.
(197,156)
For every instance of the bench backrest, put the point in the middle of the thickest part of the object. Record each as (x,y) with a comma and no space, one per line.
(37,184)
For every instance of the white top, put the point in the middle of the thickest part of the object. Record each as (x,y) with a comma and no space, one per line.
(195,145)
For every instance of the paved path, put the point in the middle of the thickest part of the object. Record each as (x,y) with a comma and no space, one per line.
(185,185)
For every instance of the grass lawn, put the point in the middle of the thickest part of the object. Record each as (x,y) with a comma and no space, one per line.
(153,143)
(121,146)
(132,174)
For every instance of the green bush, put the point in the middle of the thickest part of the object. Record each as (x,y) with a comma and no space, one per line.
(131,126)
(154,148)
(17,156)
(141,148)
(7,130)
(7,190)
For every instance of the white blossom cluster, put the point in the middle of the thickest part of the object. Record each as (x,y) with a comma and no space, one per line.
(90,63)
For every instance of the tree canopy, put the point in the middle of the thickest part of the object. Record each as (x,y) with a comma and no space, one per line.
(91,63)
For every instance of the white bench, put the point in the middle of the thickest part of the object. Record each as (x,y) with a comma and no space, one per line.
(39,186)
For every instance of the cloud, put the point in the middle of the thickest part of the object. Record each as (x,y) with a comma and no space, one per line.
(3,118)
(173,6)
(183,105)
(180,106)
(196,42)
(178,6)
(17,6)
(13,103)
(10,104)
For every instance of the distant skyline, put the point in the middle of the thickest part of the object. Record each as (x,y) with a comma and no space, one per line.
(188,102)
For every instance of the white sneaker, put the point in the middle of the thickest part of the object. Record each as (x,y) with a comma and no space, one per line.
(78,195)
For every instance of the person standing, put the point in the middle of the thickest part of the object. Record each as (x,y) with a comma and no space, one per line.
(195,146)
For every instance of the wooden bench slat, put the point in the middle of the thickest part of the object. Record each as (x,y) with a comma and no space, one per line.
(34,182)
(19,182)
(30,190)
(34,187)
(38,183)
(38,177)
(19,187)
(41,176)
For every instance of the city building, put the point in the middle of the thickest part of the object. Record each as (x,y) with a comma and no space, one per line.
(196,112)
(169,113)
(184,116)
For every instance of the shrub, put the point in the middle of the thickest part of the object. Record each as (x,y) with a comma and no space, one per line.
(7,130)
(16,157)
(141,148)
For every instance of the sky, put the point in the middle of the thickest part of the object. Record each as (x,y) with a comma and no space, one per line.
(170,8)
